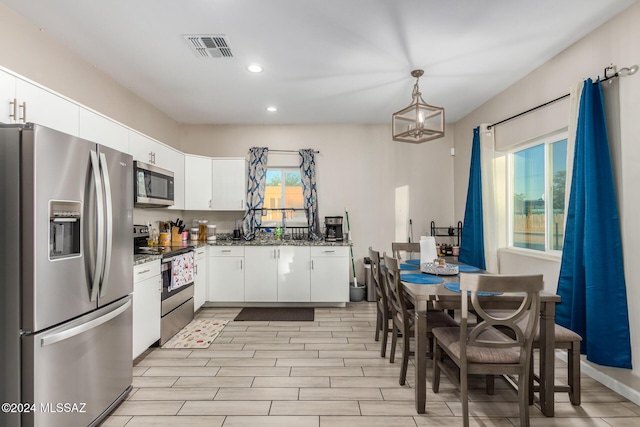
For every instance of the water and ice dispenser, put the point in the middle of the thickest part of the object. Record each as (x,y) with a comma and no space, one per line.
(64,229)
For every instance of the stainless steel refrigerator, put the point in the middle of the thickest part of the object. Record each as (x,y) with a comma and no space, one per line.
(66,267)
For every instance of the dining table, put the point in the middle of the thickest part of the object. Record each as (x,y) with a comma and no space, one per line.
(425,296)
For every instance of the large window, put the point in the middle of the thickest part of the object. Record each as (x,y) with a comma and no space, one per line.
(538,195)
(283,190)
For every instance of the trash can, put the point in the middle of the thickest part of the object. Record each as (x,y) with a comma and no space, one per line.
(356,294)
(368,280)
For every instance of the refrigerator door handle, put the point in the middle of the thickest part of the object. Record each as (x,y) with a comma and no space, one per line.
(97,274)
(109,222)
(77,330)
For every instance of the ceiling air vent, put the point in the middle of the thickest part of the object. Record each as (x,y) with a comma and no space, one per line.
(209,46)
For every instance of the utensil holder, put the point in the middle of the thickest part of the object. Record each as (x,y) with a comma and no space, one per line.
(176,236)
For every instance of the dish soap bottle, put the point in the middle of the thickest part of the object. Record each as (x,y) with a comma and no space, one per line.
(278,232)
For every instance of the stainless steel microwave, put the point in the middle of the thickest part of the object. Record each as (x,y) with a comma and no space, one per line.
(153,186)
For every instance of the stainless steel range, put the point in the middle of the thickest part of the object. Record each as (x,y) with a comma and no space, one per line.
(177,270)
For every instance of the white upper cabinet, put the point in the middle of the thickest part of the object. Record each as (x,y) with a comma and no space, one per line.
(176,165)
(197,183)
(7,98)
(99,129)
(217,184)
(147,150)
(45,108)
(229,184)
(23,102)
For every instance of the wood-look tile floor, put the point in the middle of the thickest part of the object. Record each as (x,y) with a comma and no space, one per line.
(325,373)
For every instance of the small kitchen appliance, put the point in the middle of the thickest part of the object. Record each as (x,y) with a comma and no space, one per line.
(333,228)
(153,186)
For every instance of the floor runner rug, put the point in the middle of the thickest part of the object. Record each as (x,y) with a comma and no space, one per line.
(295,314)
(199,333)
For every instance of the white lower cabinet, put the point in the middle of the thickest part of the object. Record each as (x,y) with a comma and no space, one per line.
(147,290)
(330,273)
(200,283)
(294,268)
(277,273)
(226,273)
(261,276)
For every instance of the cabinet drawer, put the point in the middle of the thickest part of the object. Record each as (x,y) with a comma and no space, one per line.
(226,250)
(329,251)
(145,271)
(200,252)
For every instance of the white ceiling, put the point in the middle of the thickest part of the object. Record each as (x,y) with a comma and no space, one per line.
(330,61)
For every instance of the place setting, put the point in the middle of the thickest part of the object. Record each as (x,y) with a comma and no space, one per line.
(428,273)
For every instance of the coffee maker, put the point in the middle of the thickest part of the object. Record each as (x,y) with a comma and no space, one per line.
(333,228)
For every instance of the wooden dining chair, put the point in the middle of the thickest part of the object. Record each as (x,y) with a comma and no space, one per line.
(404,318)
(383,310)
(483,349)
(408,248)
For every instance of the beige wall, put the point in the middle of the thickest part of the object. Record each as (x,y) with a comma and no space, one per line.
(358,168)
(616,42)
(34,54)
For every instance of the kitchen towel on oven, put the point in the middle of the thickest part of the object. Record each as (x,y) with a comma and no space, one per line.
(181,270)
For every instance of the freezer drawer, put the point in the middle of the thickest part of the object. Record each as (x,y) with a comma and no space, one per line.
(77,372)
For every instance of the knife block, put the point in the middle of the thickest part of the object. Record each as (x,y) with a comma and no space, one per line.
(176,237)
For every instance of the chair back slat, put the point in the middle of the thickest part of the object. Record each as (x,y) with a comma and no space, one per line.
(394,289)
(520,321)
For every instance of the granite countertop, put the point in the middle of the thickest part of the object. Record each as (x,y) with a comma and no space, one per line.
(143,258)
(274,242)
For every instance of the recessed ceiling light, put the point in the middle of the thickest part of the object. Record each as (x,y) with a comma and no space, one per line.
(272,109)
(254,68)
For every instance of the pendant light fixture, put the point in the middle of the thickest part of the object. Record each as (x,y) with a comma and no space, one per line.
(419,122)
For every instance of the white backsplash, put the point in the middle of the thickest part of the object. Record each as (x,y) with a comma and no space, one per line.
(224,220)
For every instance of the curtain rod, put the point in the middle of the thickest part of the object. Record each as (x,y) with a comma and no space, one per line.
(622,73)
(289,151)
